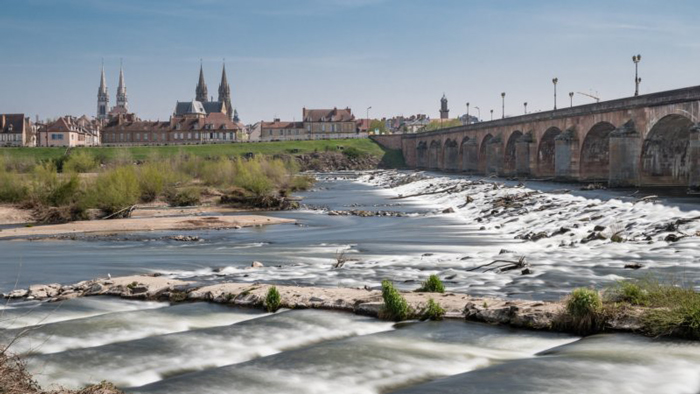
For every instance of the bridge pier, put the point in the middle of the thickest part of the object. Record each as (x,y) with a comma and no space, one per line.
(566,148)
(524,149)
(494,156)
(625,151)
(470,156)
(694,158)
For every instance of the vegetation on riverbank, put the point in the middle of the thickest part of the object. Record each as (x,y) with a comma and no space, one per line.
(27,157)
(660,308)
(75,187)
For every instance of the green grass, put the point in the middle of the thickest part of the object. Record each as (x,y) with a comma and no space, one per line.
(671,309)
(395,305)
(432,285)
(433,311)
(215,150)
(273,300)
(584,312)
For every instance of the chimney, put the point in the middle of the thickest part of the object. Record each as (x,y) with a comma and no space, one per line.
(276,120)
(2,122)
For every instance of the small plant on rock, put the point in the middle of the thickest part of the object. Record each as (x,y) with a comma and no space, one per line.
(273,300)
(432,285)
(395,305)
(584,311)
(433,311)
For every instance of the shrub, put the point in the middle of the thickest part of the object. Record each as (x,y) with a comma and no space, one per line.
(154,179)
(681,319)
(301,183)
(184,197)
(272,300)
(433,311)
(116,189)
(13,189)
(584,311)
(80,161)
(432,285)
(48,188)
(250,176)
(395,305)
(353,153)
(219,172)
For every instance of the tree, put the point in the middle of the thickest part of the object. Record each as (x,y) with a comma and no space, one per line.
(377,127)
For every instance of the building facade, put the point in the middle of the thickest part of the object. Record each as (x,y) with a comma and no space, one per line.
(69,131)
(17,130)
(282,131)
(223,105)
(316,124)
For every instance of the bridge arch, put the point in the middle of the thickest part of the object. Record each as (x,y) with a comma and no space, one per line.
(595,152)
(546,151)
(450,159)
(422,155)
(434,155)
(509,156)
(470,155)
(665,159)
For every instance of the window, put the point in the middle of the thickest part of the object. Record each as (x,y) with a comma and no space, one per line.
(145,136)
(189,136)
(121,136)
(323,127)
(196,135)
(57,137)
(138,136)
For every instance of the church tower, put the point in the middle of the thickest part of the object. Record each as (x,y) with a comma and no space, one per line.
(444,112)
(225,93)
(102,97)
(201,92)
(122,101)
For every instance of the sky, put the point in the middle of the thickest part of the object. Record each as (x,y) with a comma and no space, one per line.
(396,56)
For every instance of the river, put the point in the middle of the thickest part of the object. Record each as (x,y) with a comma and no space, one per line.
(153,347)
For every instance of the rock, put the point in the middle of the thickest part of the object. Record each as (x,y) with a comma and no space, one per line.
(257,264)
(538,236)
(673,238)
(506,251)
(44,291)
(19,293)
(526,271)
(599,228)
(95,288)
(448,210)
(634,266)
(316,299)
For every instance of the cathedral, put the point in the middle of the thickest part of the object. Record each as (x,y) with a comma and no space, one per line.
(122,107)
(203,104)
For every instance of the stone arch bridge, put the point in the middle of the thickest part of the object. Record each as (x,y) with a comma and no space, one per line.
(650,140)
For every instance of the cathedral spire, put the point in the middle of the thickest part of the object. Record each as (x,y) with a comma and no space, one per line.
(122,101)
(225,92)
(102,96)
(201,92)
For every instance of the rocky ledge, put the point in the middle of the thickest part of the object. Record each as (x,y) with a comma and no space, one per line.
(516,313)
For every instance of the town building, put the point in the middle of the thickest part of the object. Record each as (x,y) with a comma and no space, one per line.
(17,130)
(316,124)
(69,131)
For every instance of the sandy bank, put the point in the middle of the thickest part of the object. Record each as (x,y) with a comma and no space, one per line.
(12,215)
(143,224)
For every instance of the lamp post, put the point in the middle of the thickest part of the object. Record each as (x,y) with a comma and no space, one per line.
(503,105)
(368,122)
(468,120)
(571,99)
(554,81)
(637,80)
(525,105)
(491,114)
(479,112)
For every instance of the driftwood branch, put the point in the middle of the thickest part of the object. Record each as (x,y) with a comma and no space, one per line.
(129,209)
(510,265)
(427,193)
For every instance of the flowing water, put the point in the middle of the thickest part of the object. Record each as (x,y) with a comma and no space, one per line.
(153,347)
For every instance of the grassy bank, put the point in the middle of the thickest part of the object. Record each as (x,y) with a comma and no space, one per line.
(79,186)
(106,154)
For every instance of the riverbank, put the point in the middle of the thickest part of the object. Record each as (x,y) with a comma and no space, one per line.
(167,223)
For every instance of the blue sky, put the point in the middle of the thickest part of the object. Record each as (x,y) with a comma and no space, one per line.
(397,56)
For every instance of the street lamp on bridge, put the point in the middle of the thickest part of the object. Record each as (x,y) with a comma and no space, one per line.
(636,59)
(525,105)
(571,99)
(468,120)
(479,112)
(503,105)
(554,81)
(491,114)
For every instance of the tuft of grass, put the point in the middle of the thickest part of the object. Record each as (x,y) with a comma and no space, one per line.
(630,292)
(395,305)
(432,285)
(584,312)
(273,299)
(13,189)
(432,311)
